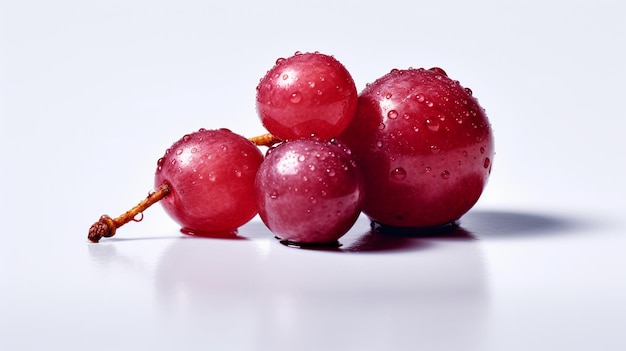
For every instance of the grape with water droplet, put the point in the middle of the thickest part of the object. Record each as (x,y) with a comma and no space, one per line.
(314,95)
(309,192)
(413,177)
(206,185)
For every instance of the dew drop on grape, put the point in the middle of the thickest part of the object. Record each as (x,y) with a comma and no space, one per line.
(296,97)
(398,173)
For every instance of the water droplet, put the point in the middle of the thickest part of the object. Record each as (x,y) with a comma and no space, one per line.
(445,175)
(392,114)
(223,147)
(439,70)
(160,161)
(379,143)
(429,103)
(482,150)
(465,153)
(212,176)
(312,167)
(285,76)
(381,126)
(416,129)
(312,199)
(432,124)
(296,97)
(469,91)
(388,96)
(487,162)
(435,149)
(238,173)
(194,150)
(312,84)
(301,158)
(179,151)
(138,217)
(186,137)
(274,195)
(173,161)
(280,60)
(428,169)
(419,97)
(398,173)
(330,172)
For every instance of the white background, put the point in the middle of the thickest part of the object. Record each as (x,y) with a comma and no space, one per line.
(93,92)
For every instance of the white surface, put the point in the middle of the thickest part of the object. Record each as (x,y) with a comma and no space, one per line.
(91,94)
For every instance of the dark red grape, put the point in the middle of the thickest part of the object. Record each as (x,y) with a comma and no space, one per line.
(306,94)
(309,191)
(424,145)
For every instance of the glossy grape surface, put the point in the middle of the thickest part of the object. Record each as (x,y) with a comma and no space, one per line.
(424,145)
(211,177)
(309,191)
(306,94)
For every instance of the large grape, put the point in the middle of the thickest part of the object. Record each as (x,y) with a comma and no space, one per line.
(425,146)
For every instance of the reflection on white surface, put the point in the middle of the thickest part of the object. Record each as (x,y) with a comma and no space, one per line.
(374,292)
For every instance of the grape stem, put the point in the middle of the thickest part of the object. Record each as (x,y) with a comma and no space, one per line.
(268,140)
(106,226)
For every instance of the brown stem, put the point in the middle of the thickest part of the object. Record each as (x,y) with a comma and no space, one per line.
(265,140)
(106,226)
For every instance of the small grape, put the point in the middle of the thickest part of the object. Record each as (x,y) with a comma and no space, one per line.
(306,94)
(309,191)
(210,174)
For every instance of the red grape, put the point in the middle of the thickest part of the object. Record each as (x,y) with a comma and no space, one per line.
(306,94)
(309,191)
(424,145)
(210,174)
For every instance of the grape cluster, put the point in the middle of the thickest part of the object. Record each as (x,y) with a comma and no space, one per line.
(412,151)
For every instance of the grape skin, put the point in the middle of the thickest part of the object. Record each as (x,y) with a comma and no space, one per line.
(211,178)
(425,146)
(306,94)
(309,191)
